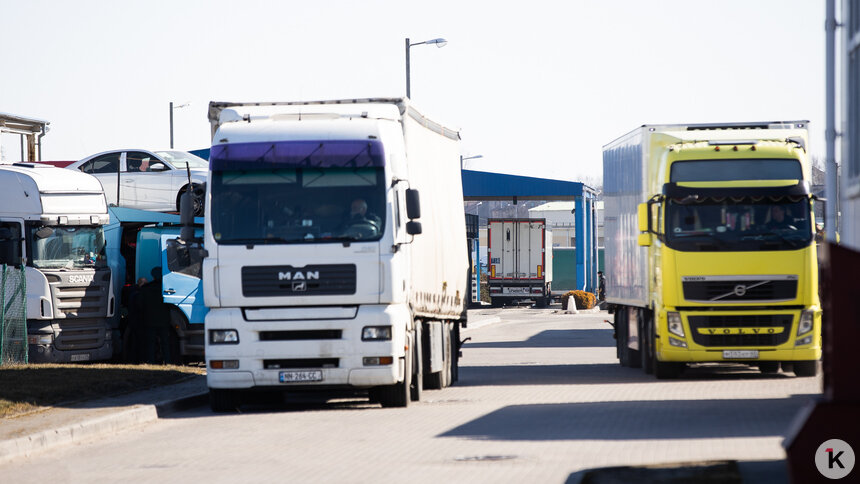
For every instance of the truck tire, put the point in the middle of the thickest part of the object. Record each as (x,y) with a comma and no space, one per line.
(621,336)
(399,394)
(221,400)
(417,386)
(768,367)
(647,341)
(634,357)
(806,368)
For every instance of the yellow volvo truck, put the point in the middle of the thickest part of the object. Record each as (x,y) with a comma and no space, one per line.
(710,253)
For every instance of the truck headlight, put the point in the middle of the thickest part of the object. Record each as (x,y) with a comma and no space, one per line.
(40,339)
(376,333)
(223,337)
(676,327)
(806,319)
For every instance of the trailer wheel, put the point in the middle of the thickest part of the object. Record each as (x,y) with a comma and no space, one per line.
(221,400)
(621,337)
(805,368)
(417,386)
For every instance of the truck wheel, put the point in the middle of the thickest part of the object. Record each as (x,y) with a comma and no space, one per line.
(399,394)
(417,386)
(647,341)
(768,367)
(806,368)
(621,337)
(221,400)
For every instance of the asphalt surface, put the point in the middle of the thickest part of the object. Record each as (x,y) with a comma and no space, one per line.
(541,399)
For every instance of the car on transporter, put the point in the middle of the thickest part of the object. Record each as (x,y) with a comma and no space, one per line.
(147,180)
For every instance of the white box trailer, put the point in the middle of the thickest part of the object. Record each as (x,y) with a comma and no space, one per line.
(323,271)
(52,223)
(520,254)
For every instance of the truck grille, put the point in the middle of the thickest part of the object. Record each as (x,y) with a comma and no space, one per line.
(743,321)
(80,334)
(300,363)
(80,299)
(740,290)
(273,281)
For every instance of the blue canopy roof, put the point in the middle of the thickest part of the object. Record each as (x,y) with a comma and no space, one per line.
(482,185)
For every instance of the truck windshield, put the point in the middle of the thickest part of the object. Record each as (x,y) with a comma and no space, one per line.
(745,224)
(69,247)
(298,205)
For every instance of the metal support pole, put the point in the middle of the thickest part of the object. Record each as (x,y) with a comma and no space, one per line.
(408,90)
(831,180)
(171,125)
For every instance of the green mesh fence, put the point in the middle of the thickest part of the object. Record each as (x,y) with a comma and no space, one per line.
(13,316)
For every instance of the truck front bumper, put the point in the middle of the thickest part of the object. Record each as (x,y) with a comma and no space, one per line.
(729,336)
(330,350)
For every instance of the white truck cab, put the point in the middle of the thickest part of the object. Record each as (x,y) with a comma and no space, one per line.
(51,223)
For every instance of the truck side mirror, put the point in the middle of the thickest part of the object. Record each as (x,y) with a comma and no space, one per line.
(186,217)
(413,227)
(644,217)
(413,204)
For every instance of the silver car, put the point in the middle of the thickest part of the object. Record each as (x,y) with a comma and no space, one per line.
(148,180)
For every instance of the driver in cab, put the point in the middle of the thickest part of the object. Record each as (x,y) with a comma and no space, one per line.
(360,221)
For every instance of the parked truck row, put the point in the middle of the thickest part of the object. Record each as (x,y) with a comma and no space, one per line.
(709,247)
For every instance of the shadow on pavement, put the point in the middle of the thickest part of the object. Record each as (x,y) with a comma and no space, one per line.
(556,338)
(633,420)
(597,373)
(722,472)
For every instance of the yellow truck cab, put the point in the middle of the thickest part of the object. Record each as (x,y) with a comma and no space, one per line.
(710,253)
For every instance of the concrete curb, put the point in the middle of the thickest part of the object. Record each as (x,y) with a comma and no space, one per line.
(113,422)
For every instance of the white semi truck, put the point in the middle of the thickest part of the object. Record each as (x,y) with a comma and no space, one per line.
(324,271)
(52,223)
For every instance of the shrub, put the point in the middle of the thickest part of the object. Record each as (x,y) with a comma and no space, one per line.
(583,300)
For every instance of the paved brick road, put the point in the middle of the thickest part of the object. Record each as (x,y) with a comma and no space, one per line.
(541,397)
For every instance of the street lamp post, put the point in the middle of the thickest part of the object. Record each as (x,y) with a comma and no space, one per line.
(439,43)
(171,120)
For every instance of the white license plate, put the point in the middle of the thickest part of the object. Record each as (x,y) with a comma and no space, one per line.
(740,354)
(299,376)
(516,290)
(81,357)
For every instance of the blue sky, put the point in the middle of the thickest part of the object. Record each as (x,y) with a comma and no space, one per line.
(536,88)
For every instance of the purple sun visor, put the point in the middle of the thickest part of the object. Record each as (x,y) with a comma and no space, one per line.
(272,155)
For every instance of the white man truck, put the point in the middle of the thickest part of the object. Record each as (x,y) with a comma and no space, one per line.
(520,261)
(323,270)
(52,222)
(709,247)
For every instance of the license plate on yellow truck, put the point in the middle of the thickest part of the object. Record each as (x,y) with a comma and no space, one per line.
(740,354)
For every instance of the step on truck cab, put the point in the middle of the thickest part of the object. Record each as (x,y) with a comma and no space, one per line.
(52,222)
(710,253)
(336,250)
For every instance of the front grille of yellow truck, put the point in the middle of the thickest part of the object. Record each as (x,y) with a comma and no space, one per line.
(741,330)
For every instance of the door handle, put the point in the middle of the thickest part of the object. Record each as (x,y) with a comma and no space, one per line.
(169,291)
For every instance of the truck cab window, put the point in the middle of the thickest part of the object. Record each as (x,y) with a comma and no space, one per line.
(10,243)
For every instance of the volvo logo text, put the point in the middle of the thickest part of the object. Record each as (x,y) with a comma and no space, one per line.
(298,275)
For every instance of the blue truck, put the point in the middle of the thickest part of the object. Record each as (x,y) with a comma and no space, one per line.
(137,242)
